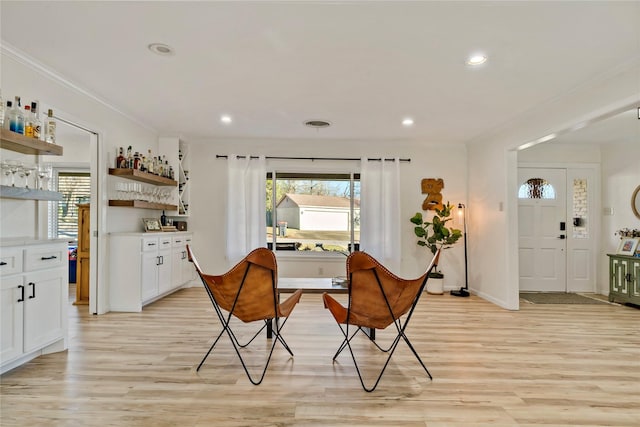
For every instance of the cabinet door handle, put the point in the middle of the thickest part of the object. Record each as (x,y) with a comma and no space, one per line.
(151,244)
(161,259)
(44,258)
(157,260)
(33,290)
(3,263)
(21,293)
(629,277)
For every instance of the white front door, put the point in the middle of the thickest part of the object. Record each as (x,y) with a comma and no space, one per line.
(542,229)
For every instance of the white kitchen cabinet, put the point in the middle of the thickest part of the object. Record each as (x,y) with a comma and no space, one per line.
(142,268)
(33,299)
(182,271)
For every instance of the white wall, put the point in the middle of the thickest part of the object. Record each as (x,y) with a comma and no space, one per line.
(492,165)
(620,177)
(560,153)
(208,194)
(20,78)
(31,81)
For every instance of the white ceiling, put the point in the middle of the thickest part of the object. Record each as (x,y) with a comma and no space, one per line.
(363,66)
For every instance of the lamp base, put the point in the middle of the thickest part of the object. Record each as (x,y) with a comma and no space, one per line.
(461,293)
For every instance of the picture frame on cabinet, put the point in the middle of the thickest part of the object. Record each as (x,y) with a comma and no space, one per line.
(628,246)
(151,225)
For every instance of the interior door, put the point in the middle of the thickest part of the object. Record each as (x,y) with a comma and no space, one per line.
(542,229)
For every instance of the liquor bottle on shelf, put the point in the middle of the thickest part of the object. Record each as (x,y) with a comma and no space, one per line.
(120,158)
(7,115)
(50,128)
(129,160)
(16,118)
(136,160)
(1,111)
(150,163)
(37,124)
(28,122)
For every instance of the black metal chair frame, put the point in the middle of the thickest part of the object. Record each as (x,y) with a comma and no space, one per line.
(400,328)
(226,327)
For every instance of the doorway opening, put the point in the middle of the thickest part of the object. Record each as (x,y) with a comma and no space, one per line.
(557,225)
(75,175)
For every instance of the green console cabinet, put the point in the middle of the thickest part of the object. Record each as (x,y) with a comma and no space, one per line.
(624,278)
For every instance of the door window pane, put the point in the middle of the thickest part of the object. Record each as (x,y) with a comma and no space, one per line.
(580,209)
(536,188)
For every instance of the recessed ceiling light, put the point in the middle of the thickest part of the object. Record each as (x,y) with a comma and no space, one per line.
(161,49)
(407,122)
(477,59)
(317,124)
(226,119)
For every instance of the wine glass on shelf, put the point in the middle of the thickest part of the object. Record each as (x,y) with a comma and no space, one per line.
(28,170)
(14,167)
(44,174)
(6,172)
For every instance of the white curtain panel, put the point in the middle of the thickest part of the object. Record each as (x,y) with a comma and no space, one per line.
(380,211)
(246,212)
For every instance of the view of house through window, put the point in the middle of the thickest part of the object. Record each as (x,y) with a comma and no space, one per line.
(313,212)
(75,188)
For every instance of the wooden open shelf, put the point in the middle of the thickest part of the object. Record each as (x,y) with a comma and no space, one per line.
(25,145)
(145,177)
(142,204)
(9,192)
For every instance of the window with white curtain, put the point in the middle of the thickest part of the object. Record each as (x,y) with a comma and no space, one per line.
(75,187)
(313,212)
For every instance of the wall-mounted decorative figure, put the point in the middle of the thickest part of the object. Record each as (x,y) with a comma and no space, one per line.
(432,187)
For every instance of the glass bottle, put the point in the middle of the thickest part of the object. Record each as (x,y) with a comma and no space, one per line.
(28,122)
(129,160)
(50,128)
(149,163)
(120,158)
(37,124)
(16,119)
(1,111)
(7,116)
(136,160)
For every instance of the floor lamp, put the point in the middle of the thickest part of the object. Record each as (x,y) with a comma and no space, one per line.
(464,291)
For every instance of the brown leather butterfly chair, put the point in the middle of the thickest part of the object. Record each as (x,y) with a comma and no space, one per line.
(377,299)
(248,292)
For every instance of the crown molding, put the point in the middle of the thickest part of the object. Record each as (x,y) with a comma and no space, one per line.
(6,49)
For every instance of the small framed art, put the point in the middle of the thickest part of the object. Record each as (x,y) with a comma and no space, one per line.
(628,246)
(151,224)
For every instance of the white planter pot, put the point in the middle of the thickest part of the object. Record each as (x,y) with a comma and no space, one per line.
(435,286)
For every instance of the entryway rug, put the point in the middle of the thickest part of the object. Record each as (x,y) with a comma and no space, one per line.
(559,298)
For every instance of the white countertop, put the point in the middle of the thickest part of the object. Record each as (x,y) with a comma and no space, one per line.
(155,233)
(23,241)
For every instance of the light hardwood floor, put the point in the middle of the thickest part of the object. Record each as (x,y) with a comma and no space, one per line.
(552,365)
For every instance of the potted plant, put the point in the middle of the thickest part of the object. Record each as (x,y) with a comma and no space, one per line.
(436,235)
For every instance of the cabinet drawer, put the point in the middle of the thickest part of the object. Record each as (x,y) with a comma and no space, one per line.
(165,242)
(149,244)
(179,242)
(10,261)
(40,257)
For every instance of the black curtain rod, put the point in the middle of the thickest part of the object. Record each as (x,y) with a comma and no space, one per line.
(223,156)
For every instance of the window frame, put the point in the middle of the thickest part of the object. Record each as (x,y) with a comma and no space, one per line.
(294,173)
(53,219)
